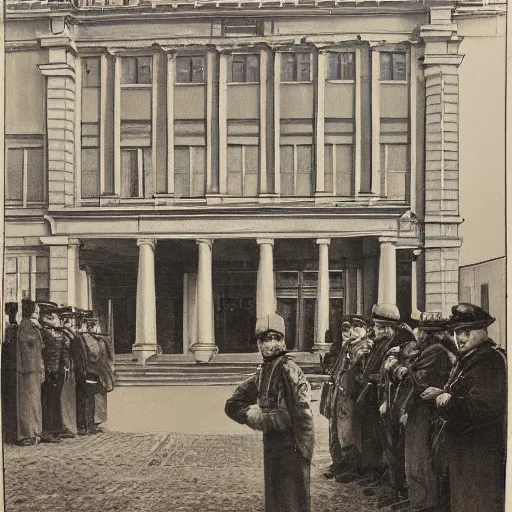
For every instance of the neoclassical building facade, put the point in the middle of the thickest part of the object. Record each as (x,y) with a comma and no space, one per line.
(184,168)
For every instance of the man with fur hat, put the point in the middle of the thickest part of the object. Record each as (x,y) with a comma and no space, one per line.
(30,376)
(428,364)
(380,436)
(276,401)
(473,407)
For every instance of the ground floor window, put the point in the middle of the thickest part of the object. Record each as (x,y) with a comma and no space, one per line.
(27,276)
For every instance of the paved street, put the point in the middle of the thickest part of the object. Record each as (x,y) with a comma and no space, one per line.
(157,472)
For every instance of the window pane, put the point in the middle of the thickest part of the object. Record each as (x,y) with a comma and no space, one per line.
(14,175)
(144,69)
(399,66)
(287,67)
(287,176)
(304,67)
(181,171)
(304,164)
(183,70)
(333,72)
(397,157)
(198,171)
(129,173)
(328,180)
(386,66)
(91,72)
(35,175)
(11,288)
(237,68)
(235,170)
(347,70)
(90,172)
(197,70)
(253,68)
(251,171)
(42,264)
(128,70)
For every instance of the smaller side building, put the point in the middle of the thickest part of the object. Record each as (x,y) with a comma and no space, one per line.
(484,284)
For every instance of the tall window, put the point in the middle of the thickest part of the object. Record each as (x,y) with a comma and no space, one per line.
(190,70)
(339,166)
(244,68)
(25,176)
(243,164)
(137,70)
(91,80)
(27,276)
(341,66)
(394,170)
(189,171)
(296,67)
(393,66)
(296,170)
(136,169)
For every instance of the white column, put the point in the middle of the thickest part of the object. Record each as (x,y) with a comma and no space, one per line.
(322,301)
(117,126)
(170,122)
(376,122)
(73,255)
(104,91)
(204,349)
(263,121)
(223,123)
(145,330)
(265,292)
(413,108)
(387,273)
(320,123)
(78,129)
(155,100)
(210,69)
(360,290)
(357,120)
(277,123)
(83,290)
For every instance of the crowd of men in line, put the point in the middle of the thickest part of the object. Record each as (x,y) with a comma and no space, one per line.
(57,368)
(423,409)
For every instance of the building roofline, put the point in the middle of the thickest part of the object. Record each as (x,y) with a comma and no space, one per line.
(483,262)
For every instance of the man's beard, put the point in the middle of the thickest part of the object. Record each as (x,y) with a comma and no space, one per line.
(271,348)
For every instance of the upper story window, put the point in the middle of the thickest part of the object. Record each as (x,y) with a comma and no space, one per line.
(296,170)
(242,27)
(296,67)
(393,66)
(137,70)
(244,68)
(25,176)
(91,72)
(190,70)
(341,66)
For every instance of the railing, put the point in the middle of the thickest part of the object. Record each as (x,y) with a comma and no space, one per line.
(17,5)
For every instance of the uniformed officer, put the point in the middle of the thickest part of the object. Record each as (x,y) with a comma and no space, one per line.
(9,373)
(276,401)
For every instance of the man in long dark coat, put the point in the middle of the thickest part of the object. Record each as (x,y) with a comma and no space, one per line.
(9,372)
(30,376)
(276,401)
(429,365)
(473,406)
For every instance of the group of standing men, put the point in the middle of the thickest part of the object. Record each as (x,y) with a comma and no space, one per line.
(57,369)
(424,408)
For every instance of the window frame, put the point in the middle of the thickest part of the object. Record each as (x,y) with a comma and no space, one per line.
(341,80)
(230,68)
(190,148)
(296,63)
(385,170)
(244,168)
(32,273)
(141,175)
(26,145)
(190,57)
(137,85)
(295,145)
(336,192)
(407,66)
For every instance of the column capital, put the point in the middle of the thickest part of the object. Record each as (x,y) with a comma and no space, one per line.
(416,253)
(208,241)
(146,241)
(387,240)
(74,241)
(323,241)
(261,241)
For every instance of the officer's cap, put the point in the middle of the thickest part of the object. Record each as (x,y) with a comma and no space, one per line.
(433,322)
(386,314)
(47,308)
(68,312)
(359,321)
(270,323)
(469,316)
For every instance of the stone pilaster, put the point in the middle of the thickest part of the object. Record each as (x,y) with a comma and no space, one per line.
(442,242)
(60,113)
(265,289)
(322,301)
(387,272)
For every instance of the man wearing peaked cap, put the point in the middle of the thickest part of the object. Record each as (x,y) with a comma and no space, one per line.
(473,405)
(275,400)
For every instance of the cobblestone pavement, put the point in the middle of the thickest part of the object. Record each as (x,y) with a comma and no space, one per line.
(157,472)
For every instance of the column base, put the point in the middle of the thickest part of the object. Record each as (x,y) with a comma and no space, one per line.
(143,351)
(321,347)
(204,352)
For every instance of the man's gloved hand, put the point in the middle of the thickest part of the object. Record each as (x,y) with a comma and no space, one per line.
(383,409)
(255,417)
(443,399)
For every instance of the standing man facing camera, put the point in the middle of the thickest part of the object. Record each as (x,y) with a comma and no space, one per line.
(276,400)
